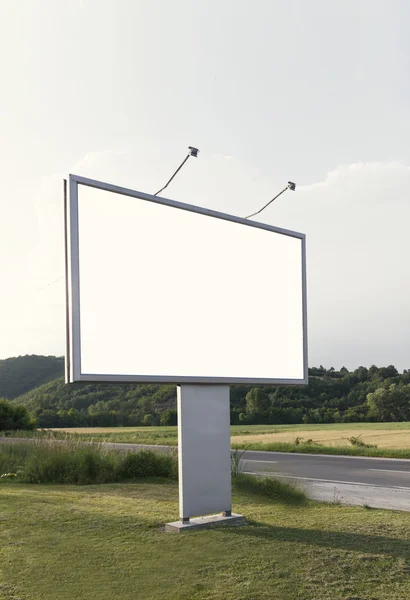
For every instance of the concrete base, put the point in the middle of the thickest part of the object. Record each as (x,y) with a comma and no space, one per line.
(205,523)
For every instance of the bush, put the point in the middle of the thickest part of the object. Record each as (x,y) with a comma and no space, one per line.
(168,417)
(146,464)
(309,442)
(81,467)
(72,462)
(14,416)
(357,441)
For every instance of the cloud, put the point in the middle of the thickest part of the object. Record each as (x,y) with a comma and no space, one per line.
(361,174)
(98,161)
(356,221)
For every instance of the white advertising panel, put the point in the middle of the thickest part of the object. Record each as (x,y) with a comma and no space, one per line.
(161,291)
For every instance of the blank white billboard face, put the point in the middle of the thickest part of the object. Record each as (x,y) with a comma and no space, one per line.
(165,294)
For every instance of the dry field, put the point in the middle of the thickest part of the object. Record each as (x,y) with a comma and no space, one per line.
(389,436)
(99,430)
(398,439)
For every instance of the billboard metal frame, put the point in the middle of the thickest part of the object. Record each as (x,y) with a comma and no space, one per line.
(73,359)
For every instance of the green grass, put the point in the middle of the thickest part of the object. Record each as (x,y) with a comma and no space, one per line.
(273,489)
(108,542)
(53,461)
(319,449)
(169,436)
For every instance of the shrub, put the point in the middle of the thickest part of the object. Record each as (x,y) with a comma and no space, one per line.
(14,416)
(168,417)
(309,442)
(54,462)
(146,464)
(357,441)
(73,462)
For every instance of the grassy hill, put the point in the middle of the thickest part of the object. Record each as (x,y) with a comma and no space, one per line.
(21,374)
(366,394)
(56,404)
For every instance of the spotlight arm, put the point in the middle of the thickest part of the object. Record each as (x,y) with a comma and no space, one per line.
(192,152)
(290,186)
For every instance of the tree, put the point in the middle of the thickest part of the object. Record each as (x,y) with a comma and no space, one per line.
(14,417)
(257,404)
(356,414)
(390,404)
(148,420)
(330,396)
(386,372)
(373,372)
(168,417)
(362,373)
(48,418)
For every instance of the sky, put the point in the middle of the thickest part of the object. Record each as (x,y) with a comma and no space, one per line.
(270,91)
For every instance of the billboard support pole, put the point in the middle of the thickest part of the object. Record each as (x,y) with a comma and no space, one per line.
(204,458)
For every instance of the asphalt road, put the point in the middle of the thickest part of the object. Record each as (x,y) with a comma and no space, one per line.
(376,482)
(339,469)
(386,472)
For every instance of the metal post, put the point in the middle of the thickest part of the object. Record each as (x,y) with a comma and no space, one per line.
(204,450)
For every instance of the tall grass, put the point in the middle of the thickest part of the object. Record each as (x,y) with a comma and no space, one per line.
(304,448)
(236,464)
(166,436)
(147,436)
(271,489)
(52,461)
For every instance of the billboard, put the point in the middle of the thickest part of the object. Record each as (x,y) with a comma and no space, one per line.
(162,291)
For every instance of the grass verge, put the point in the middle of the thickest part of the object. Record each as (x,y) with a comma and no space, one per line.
(74,462)
(93,542)
(271,489)
(318,449)
(169,436)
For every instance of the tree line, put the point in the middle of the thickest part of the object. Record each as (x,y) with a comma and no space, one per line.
(332,396)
